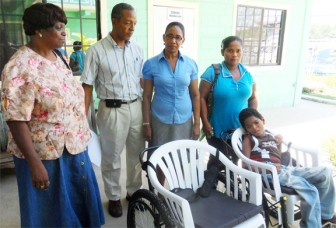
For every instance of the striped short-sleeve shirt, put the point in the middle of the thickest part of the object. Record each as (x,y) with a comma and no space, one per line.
(113,70)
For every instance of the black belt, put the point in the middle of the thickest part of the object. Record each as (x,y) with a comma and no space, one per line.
(122,102)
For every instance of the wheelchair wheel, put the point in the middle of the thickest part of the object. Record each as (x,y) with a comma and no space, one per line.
(147,210)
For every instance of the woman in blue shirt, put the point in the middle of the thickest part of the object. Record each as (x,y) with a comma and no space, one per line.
(234,90)
(174,112)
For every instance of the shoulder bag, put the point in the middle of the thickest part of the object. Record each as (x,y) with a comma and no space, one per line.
(210,97)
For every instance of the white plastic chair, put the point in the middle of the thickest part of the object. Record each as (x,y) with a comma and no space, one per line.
(306,157)
(183,163)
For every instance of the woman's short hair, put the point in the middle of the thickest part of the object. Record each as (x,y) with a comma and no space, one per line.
(178,24)
(228,40)
(42,16)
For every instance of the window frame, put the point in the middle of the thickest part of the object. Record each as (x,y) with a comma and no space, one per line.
(81,18)
(8,46)
(280,40)
(4,22)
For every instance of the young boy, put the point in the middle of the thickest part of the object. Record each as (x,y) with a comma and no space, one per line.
(315,185)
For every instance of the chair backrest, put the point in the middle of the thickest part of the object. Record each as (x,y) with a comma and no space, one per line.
(183,163)
(257,167)
(305,157)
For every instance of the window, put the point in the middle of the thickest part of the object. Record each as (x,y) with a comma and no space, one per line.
(11,32)
(82,24)
(262,31)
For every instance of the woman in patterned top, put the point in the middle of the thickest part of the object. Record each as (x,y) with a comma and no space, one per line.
(43,105)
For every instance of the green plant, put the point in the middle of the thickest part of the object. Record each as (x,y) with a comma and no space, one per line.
(306,90)
(320,86)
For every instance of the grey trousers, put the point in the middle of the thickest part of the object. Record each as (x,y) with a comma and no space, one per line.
(119,128)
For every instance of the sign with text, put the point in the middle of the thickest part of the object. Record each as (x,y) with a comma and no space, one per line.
(163,16)
(175,14)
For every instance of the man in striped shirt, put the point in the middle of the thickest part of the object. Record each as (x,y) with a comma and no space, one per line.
(113,65)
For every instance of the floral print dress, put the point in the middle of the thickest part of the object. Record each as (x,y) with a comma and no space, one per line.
(44,94)
(50,99)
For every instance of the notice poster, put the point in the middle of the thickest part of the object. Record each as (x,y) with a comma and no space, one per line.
(163,15)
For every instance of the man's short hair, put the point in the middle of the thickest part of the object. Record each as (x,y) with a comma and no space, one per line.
(118,10)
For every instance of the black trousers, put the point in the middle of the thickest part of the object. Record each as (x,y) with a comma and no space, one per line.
(225,148)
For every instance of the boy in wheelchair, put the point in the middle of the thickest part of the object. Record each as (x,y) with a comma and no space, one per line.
(315,185)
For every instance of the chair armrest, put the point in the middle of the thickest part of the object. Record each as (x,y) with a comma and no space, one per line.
(265,170)
(305,156)
(254,186)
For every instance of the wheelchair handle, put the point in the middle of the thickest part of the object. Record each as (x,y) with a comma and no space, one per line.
(149,151)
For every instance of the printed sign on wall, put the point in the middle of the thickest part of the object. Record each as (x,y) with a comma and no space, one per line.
(163,16)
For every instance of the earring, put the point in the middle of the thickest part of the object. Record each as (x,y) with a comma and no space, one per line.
(40,35)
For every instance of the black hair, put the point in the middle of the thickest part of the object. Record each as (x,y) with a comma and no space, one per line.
(178,24)
(248,112)
(77,43)
(228,40)
(42,16)
(118,10)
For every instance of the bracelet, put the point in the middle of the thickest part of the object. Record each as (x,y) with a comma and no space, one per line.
(145,124)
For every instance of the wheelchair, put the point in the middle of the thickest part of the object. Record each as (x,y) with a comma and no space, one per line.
(279,201)
(145,208)
(178,202)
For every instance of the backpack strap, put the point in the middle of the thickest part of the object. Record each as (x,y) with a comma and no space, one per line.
(76,56)
(210,97)
(61,56)
(216,66)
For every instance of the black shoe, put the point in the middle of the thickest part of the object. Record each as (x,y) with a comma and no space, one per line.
(210,178)
(328,221)
(114,208)
(128,197)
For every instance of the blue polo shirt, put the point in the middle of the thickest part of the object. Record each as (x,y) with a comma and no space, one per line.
(171,103)
(78,56)
(230,97)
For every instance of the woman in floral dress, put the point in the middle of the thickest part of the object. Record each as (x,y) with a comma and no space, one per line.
(43,105)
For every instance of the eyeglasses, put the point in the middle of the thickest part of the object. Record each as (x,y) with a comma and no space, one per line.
(171,37)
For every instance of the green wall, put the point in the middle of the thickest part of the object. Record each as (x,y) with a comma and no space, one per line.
(277,86)
(141,30)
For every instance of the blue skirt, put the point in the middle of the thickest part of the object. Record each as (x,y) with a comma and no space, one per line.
(72,199)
